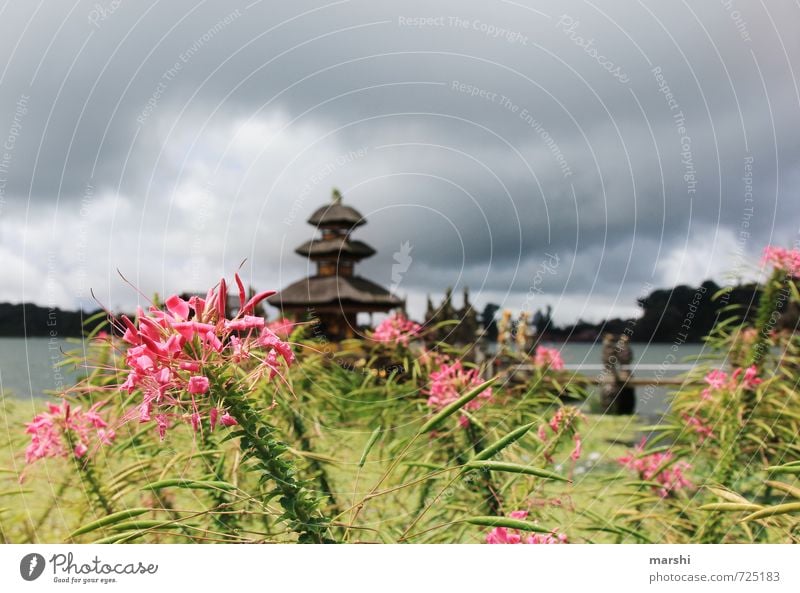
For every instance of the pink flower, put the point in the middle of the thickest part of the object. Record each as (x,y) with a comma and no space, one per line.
(749,376)
(168,347)
(503,535)
(452,381)
(396,329)
(564,418)
(245,323)
(576,452)
(281,327)
(53,432)
(548,358)
(787,260)
(718,381)
(198,384)
(700,427)
(546,538)
(542,433)
(178,307)
(658,467)
(162,423)
(228,420)
(556,420)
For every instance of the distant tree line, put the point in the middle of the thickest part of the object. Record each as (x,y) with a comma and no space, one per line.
(683,313)
(17,320)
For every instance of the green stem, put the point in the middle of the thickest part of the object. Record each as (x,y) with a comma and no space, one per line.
(88,476)
(227,522)
(258,442)
(90,479)
(492,499)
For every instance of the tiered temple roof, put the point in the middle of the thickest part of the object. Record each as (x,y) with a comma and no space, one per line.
(335,295)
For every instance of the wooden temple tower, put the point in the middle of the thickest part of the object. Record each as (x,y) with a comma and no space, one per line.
(335,294)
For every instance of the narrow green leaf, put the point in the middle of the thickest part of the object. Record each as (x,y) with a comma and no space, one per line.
(489,521)
(730,506)
(110,520)
(784,469)
(373,438)
(781,509)
(454,407)
(144,524)
(504,442)
(515,468)
(789,489)
(13,492)
(192,484)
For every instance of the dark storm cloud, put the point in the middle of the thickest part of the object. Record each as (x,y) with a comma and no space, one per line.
(174,139)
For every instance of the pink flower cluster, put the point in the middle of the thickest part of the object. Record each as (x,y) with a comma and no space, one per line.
(503,535)
(548,358)
(281,327)
(651,468)
(396,329)
(719,380)
(563,419)
(787,260)
(54,432)
(702,428)
(174,352)
(452,381)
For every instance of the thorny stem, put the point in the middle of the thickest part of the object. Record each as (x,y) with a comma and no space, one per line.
(88,476)
(257,440)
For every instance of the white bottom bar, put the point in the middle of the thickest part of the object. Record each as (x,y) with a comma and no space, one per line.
(407,569)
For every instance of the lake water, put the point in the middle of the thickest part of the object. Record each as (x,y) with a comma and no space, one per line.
(27,366)
(651,401)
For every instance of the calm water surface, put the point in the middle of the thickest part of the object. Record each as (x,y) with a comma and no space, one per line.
(27,366)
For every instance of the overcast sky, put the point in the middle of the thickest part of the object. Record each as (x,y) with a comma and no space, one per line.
(575,154)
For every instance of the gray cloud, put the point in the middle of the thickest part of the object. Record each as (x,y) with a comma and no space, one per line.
(172,140)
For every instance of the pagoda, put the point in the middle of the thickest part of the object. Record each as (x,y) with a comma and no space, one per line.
(334,296)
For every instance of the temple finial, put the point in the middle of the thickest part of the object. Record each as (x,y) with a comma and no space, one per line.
(336,198)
